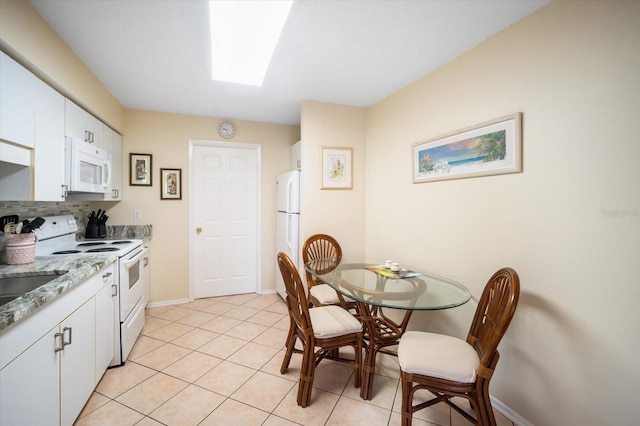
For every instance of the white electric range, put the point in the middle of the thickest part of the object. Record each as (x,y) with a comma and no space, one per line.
(57,237)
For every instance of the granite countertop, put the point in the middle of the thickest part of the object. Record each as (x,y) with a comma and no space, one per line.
(79,269)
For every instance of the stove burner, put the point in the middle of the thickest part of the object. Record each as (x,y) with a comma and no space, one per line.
(121,242)
(66,252)
(101,249)
(91,244)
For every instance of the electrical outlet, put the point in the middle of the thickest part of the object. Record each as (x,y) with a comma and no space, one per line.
(137,215)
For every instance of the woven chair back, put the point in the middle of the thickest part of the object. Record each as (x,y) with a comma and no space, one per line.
(493,315)
(296,299)
(320,246)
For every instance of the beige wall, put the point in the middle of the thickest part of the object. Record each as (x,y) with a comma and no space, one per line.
(25,36)
(166,137)
(570,355)
(339,213)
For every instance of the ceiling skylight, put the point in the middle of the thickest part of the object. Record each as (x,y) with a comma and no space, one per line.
(244,35)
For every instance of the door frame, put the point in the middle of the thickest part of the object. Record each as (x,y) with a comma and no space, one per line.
(192,225)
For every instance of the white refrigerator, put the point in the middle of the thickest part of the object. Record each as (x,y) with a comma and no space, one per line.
(288,222)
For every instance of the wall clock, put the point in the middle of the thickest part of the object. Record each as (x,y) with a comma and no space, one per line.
(226,130)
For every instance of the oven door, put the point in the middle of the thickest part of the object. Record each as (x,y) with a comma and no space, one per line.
(132,280)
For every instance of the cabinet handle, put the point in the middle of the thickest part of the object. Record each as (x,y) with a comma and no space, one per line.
(106,276)
(64,191)
(115,290)
(57,338)
(64,330)
(146,261)
(90,137)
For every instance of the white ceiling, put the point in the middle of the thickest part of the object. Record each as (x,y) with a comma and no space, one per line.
(154,54)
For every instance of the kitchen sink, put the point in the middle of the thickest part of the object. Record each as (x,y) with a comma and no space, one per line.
(14,287)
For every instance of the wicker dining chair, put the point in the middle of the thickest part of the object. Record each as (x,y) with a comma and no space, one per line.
(323,246)
(449,367)
(321,330)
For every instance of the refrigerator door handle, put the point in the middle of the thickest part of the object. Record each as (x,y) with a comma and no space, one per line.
(290,193)
(288,234)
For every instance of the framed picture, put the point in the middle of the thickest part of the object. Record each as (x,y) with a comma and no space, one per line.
(337,169)
(140,169)
(171,184)
(490,148)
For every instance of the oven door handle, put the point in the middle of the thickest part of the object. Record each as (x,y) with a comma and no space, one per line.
(130,262)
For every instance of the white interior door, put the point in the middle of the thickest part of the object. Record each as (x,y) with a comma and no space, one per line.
(225,218)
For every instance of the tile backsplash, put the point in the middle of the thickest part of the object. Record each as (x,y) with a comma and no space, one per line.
(30,209)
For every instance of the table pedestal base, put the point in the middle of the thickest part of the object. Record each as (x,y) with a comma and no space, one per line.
(379,332)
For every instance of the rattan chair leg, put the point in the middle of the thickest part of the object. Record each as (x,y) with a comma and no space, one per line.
(307,370)
(290,344)
(407,398)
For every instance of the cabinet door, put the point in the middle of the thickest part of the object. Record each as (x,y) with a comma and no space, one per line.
(81,125)
(29,386)
(17,102)
(77,361)
(105,326)
(49,145)
(295,155)
(113,144)
(116,167)
(146,280)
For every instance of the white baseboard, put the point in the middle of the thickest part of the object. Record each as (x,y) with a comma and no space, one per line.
(509,413)
(167,303)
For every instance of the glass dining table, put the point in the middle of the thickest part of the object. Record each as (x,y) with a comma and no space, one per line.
(374,287)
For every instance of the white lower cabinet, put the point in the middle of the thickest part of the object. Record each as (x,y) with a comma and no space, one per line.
(29,386)
(77,344)
(51,380)
(106,305)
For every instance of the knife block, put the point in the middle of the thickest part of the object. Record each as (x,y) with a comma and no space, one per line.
(92,231)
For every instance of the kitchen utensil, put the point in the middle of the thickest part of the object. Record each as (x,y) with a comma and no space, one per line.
(12,218)
(29,226)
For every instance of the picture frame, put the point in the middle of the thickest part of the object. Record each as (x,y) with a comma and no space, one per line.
(337,167)
(490,148)
(171,184)
(140,169)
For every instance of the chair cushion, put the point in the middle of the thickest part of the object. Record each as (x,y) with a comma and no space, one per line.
(438,355)
(331,321)
(324,294)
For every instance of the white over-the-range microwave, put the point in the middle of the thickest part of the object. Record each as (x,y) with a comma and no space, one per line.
(87,167)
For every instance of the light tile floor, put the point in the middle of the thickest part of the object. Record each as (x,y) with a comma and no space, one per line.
(217,362)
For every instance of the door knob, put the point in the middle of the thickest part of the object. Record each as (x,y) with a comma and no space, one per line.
(198,230)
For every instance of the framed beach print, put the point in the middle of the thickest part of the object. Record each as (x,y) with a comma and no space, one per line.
(170,184)
(490,148)
(140,169)
(337,168)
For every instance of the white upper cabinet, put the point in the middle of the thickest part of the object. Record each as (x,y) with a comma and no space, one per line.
(116,168)
(79,124)
(17,102)
(49,164)
(113,144)
(295,156)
